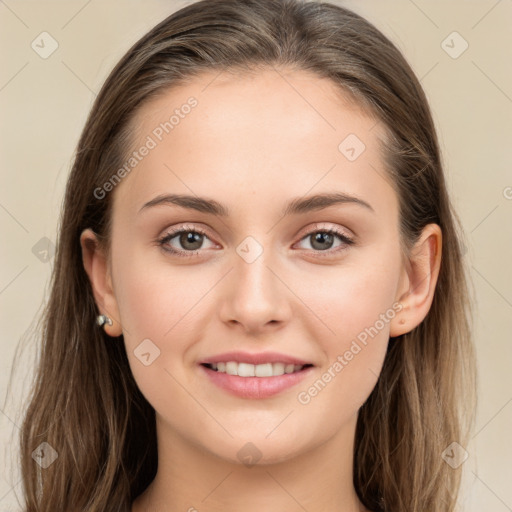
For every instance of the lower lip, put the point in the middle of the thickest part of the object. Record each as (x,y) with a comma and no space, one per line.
(255,387)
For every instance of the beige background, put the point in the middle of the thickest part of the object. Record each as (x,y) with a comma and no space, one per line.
(44,103)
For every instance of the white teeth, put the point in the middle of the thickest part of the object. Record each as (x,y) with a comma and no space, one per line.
(263,370)
(255,370)
(289,368)
(232,368)
(277,368)
(246,370)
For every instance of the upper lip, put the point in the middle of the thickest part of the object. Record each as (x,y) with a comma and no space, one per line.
(254,358)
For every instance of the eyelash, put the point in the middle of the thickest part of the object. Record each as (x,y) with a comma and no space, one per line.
(186,254)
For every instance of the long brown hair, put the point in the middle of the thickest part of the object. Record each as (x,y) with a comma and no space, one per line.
(85,403)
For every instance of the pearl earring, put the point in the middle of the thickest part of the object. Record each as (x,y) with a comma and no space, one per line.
(103,319)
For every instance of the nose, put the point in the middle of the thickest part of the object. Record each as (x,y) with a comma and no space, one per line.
(255,299)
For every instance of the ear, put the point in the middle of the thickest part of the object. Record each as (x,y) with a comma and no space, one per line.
(418,282)
(97,268)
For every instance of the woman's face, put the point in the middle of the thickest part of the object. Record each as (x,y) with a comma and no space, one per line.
(254,277)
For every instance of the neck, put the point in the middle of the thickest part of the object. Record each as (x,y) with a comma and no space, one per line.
(194,480)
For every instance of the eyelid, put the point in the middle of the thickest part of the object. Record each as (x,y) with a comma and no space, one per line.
(187,227)
(325,226)
(197,228)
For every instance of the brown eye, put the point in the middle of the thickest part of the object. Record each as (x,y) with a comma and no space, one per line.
(190,240)
(322,240)
(183,242)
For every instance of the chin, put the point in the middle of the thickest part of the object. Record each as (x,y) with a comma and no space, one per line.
(257,450)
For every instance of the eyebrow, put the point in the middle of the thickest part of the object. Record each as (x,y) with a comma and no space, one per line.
(300,205)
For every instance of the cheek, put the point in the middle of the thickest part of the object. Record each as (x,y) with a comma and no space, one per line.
(159,307)
(355,304)
(156,311)
(155,299)
(353,296)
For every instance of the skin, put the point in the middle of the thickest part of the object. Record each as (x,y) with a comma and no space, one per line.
(253,143)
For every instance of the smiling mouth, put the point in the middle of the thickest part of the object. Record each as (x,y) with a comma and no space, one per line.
(255,370)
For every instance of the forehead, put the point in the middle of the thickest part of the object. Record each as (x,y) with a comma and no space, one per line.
(265,134)
(300,101)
